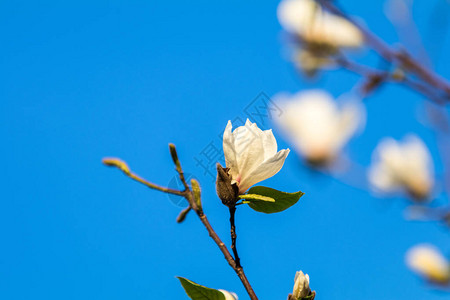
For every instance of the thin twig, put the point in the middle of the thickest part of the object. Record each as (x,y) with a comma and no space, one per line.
(176,161)
(118,163)
(374,78)
(183,214)
(234,236)
(238,270)
(401,57)
(154,186)
(199,211)
(187,193)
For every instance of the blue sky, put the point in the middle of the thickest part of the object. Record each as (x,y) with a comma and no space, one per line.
(82,80)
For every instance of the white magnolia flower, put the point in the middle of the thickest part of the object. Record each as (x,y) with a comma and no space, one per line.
(405,164)
(301,285)
(428,261)
(308,20)
(229,295)
(316,125)
(251,154)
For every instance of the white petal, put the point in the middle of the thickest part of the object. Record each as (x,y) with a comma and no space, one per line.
(301,285)
(404,164)
(265,170)
(351,117)
(269,144)
(293,15)
(338,32)
(307,19)
(381,178)
(309,118)
(229,151)
(429,262)
(229,295)
(315,124)
(251,154)
(248,143)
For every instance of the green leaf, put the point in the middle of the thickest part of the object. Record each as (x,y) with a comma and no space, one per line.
(252,197)
(282,200)
(199,292)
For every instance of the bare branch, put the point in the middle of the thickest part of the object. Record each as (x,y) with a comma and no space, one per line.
(121,165)
(399,57)
(234,236)
(188,194)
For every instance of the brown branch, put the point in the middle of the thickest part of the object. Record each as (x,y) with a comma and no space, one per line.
(176,161)
(118,163)
(238,270)
(183,214)
(374,78)
(234,236)
(401,57)
(422,213)
(188,194)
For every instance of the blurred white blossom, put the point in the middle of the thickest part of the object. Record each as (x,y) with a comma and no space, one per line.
(307,19)
(251,154)
(406,164)
(317,127)
(428,261)
(229,295)
(301,285)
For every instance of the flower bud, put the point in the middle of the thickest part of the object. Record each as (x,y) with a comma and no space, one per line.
(197,192)
(229,295)
(228,192)
(116,162)
(301,286)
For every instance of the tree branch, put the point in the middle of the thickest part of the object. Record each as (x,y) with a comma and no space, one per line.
(400,57)
(233,236)
(120,164)
(374,78)
(188,194)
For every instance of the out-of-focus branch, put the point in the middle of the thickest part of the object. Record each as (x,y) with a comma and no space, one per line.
(194,204)
(374,78)
(423,213)
(398,57)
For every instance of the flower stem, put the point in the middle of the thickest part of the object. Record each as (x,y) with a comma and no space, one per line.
(233,236)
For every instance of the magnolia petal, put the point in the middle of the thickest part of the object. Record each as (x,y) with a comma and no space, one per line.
(293,15)
(249,148)
(308,20)
(251,154)
(415,148)
(301,285)
(381,178)
(317,126)
(229,151)
(265,170)
(339,32)
(229,295)
(428,261)
(352,117)
(269,144)
(406,164)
